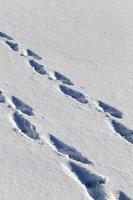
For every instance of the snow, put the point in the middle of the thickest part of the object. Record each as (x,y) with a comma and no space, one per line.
(66,100)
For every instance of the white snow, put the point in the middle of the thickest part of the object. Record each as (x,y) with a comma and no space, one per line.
(90,43)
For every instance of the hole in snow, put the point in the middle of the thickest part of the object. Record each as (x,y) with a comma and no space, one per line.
(93,183)
(74,94)
(126,133)
(110,109)
(12,45)
(25,126)
(122,196)
(38,67)
(69,150)
(4,35)
(62,78)
(33,55)
(20,105)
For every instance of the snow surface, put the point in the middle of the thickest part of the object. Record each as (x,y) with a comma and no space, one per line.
(66,100)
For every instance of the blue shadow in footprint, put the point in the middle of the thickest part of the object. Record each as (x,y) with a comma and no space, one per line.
(38,67)
(92,182)
(25,126)
(122,196)
(78,96)
(33,55)
(25,108)
(63,79)
(68,150)
(110,109)
(126,133)
(4,35)
(12,45)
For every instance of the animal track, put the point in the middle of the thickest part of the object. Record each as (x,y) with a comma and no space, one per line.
(20,105)
(62,78)
(122,196)
(93,183)
(74,94)
(12,45)
(123,131)
(2,98)
(38,67)
(33,55)
(25,126)
(3,35)
(110,109)
(68,150)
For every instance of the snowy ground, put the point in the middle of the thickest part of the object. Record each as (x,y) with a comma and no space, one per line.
(66,100)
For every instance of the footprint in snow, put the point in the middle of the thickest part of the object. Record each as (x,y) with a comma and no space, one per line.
(94,184)
(33,55)
(126,133)
(37,67)
(25,126)
(123,196)
(5,36)
(14,46)
(110,109)
(69,150)
(78,96)
(20,105)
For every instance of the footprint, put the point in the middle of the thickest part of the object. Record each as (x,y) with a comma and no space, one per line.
(110,109)
(122,196)
(20,105)
(93,183)
(3,35)
(68,150)
(25,126)
(33,55)
(38,67)
(2,98)
(78,96)
(62,78)
(126,133)
(12,45)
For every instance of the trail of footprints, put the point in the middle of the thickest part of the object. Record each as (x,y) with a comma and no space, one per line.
(95,184)
(21,122)
(78,164)
(19,110)
(66,88)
